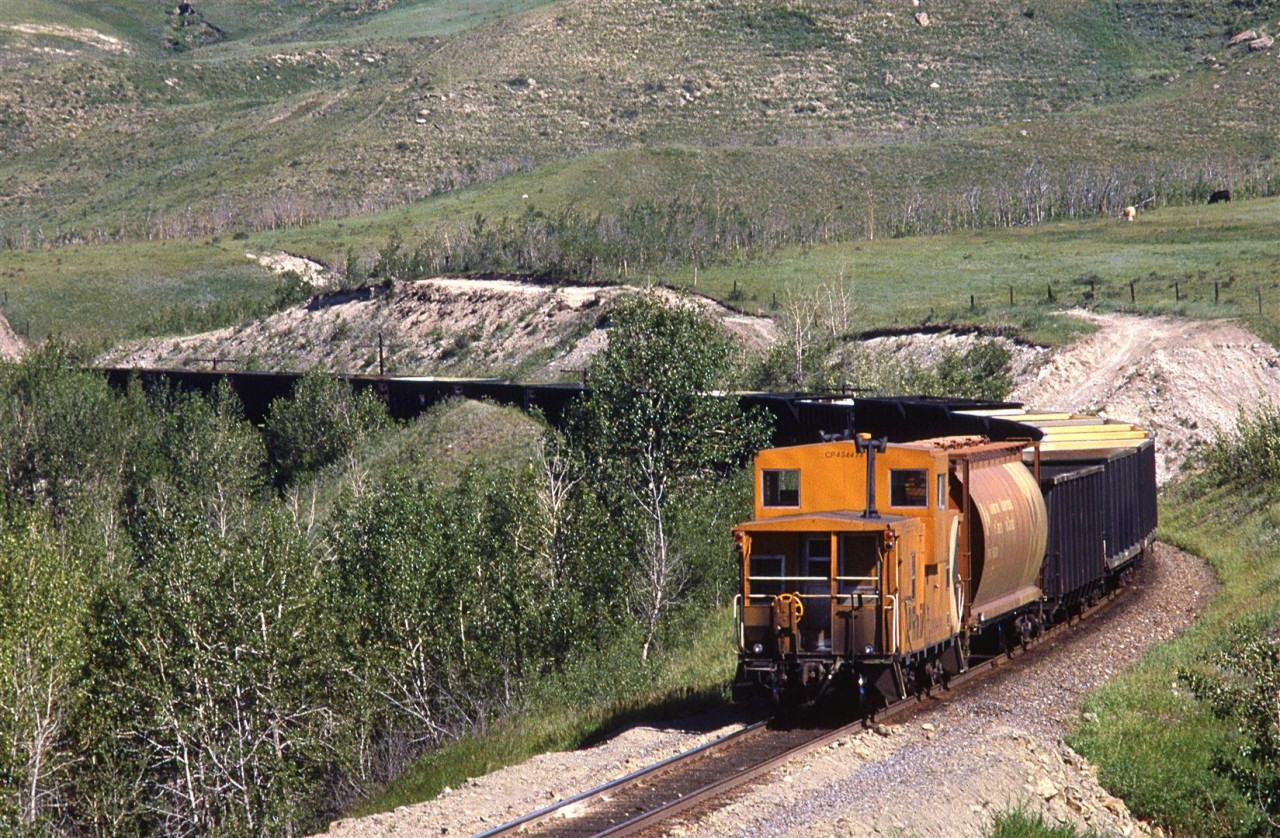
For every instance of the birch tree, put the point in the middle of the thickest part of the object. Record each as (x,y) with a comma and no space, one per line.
(652,430)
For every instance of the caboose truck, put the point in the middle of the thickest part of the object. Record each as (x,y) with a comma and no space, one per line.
(837,594)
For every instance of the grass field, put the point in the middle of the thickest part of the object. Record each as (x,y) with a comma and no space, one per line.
(907,282)
(98,296)
(102,294)
(1155,745)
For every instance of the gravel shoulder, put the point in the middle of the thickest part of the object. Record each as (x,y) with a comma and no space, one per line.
(485,802)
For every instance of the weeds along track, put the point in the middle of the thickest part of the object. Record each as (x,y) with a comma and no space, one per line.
(695,779)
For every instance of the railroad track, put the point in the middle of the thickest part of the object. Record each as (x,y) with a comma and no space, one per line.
(660,792)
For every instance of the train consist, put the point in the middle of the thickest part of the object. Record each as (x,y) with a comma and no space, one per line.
(882,564)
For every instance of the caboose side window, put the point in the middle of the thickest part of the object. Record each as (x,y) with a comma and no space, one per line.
(909,487)
(781,487)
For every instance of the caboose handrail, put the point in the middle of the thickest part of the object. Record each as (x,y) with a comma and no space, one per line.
(861,595)
(892,605)
(788,579)
(797,594)
(737,619)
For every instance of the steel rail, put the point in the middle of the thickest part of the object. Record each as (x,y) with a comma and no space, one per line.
(684,757)
(719,786)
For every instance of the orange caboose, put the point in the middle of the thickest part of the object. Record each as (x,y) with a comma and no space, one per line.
(871,563)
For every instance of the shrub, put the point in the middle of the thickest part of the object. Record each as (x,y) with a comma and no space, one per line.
(1250,455)
(323,422)
(1242,685)
(1021,823)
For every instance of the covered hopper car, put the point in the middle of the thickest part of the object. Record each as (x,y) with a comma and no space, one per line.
(879,565)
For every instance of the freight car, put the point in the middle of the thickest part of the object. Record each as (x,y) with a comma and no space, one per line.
(880,565)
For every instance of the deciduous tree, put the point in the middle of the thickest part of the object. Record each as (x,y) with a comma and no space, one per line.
(652,428)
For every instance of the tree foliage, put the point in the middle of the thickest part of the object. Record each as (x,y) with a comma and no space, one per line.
(1242,683)
(42,648)
(1249,454)
(570,245)
(186,652)
(321,423)
(653,434)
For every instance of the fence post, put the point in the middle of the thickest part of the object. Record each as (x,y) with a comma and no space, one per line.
(971,304)
(1215,292)
(1010,295)
(1177,292)
(1050,287)
(1132,298)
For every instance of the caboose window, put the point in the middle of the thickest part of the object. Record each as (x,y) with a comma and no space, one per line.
(909,487)
(781,487)
(766,575)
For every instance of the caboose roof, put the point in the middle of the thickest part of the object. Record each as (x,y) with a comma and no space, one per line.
(837,521)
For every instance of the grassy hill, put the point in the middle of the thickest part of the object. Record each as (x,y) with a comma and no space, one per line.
(306,109)
(323,128)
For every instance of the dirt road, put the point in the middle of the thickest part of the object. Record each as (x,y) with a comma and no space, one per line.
(1183,378)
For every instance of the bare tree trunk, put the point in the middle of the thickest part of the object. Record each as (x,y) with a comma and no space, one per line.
(661,578)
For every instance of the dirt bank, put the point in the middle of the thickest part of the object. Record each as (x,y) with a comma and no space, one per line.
(11,345)
(442,326)
(1183,378)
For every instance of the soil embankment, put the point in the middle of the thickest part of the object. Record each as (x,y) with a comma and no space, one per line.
(442,326)
(1185,379)
(11,345)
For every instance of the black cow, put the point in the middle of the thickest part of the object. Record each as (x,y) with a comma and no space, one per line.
(1220,196)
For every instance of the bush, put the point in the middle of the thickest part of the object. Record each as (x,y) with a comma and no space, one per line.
(573,246)
(1249,456)
(322,422)
(1242,685)
(1021,823)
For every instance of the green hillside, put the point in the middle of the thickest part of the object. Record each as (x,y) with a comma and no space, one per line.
(325,128)
(309,109)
